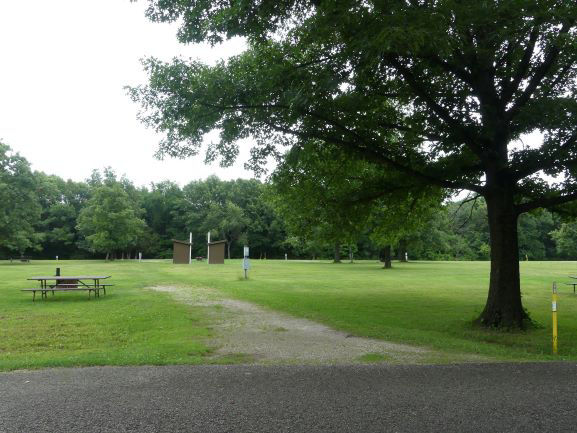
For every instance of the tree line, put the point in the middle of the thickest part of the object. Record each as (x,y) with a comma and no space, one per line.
(107,216)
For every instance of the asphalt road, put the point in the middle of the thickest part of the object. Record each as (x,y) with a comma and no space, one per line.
(252,399)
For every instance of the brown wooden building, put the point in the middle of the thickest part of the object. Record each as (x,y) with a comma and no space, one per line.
(181,252)
(216,252)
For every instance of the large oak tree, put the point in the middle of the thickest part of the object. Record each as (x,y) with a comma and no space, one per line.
(442,91)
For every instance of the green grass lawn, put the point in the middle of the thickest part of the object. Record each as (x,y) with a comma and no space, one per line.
(429,304)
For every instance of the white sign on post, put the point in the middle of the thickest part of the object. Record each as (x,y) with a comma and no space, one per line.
(245,262)
(190,248)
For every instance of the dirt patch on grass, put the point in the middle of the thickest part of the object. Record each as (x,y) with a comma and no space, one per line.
(268,337)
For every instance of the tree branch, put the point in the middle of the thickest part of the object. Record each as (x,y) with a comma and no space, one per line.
(364,151)
(439,110)
(546,202)
(549,162)
(377,157)
(523,68)
(461,73)
(540,73)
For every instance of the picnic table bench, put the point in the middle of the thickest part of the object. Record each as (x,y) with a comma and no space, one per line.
(23,259)
(89,283)
(572,283)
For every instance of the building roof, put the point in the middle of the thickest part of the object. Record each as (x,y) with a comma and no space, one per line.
(181,242)
(216,242)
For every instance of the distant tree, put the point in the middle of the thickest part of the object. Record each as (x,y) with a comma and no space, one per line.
(320,191)
(469,220)
(19,205)
(437,240)
(61,202)
(162,205)
(227,220)
(110,223)
(394,219)
(566,240)
(535,241)
(265,231)
(317,191)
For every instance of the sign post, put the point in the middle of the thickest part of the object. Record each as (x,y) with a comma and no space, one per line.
(245,262)
(208,248)
(554,310)
(190,248)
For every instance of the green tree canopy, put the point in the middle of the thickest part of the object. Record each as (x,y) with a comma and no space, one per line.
(325,196)
(110,222)
(440,91)
(19,206)
(566,240)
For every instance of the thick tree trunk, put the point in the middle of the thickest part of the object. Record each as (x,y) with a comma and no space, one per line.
(504,308)
(228,249)
(350,254)
(402,250)
(387,257)
(337,258)
(107,255)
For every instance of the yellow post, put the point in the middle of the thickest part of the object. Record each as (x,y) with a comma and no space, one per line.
(554,309)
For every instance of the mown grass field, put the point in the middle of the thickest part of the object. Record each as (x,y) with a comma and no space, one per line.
(430,304)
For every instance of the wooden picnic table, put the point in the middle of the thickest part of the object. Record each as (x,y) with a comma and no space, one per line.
(64,283)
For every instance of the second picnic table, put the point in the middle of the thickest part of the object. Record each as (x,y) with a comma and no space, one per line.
(64,283)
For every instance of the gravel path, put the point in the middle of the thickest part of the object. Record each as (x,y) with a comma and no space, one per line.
(268,337)
(381,398)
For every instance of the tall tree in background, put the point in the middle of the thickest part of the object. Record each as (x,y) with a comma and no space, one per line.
(228,221)
(441,91)
(322,193)
(61,202)
(111,223)
(19,206)
(163,205)
(312,192)
(566,240)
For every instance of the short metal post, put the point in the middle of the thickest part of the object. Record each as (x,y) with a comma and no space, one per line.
(554,310)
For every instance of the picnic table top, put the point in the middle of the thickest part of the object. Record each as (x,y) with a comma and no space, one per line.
(71,277)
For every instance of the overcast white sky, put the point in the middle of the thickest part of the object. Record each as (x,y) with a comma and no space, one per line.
(63,66)
(62,104)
